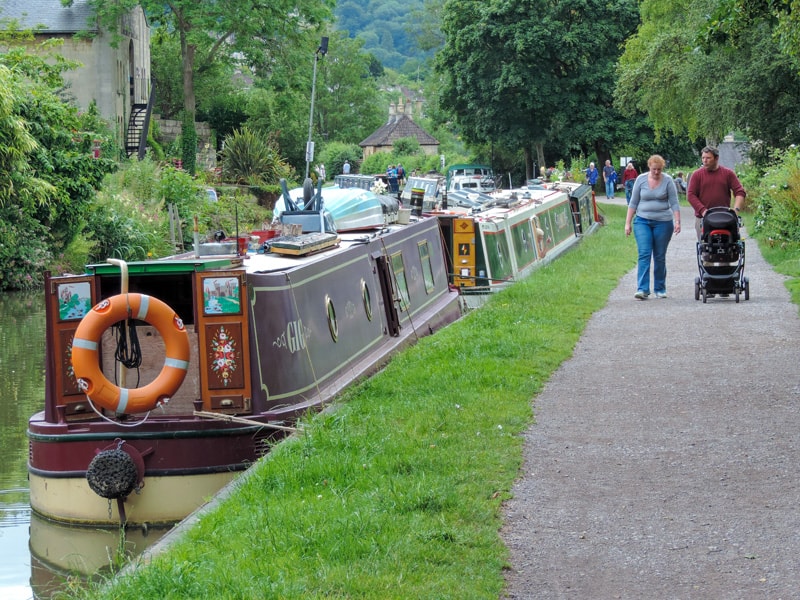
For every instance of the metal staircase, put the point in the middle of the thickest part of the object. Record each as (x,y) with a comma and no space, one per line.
(138,126)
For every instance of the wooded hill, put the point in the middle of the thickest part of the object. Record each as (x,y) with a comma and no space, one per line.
(388,28)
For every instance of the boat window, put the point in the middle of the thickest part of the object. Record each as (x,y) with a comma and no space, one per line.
(399,272)
(333,326)
(365,295)
(427,268)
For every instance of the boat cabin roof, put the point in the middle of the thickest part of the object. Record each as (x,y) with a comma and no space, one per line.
(168,265)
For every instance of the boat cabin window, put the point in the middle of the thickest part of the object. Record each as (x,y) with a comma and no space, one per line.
(427,268)
(175,289)
(399,271)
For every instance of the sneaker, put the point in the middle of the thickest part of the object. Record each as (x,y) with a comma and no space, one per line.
(661,294)
(640,295)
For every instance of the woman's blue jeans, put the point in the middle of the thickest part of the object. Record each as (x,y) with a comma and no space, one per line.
(629,190)
(652,239)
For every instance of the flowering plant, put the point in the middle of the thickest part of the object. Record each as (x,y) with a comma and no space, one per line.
(378,187)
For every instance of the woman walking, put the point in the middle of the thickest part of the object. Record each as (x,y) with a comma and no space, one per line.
(656,214)
(629,176)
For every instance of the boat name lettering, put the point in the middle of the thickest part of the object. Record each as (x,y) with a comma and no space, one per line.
(295,336)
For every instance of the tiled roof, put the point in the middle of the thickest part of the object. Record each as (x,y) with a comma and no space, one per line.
(49,13)
(400,127)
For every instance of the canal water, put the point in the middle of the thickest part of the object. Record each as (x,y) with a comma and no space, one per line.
(38,557)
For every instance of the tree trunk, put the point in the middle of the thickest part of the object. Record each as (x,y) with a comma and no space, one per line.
(528,163)
(189,134)
(540,160)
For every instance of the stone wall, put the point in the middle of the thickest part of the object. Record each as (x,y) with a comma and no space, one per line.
(170,130)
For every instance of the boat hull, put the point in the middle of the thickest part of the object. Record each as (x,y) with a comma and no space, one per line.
(271,338)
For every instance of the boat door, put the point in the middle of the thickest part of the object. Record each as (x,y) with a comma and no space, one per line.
(223,335)
(464,253)
(68,299)
(386,277)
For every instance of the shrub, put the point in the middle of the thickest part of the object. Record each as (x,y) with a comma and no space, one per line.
(231,210)
(24,250)
(334,154)
(775,199)
(252,158)
(406,147)
(120,227)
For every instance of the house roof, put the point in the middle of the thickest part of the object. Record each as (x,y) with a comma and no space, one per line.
(50,14)
(401,126)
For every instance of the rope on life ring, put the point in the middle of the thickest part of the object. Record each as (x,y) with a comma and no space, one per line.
(86,359)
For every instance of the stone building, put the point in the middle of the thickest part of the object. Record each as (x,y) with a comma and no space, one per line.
(400,125)
(116,76)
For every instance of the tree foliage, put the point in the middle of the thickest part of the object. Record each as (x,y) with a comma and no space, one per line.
(48,173)
(348,105)
(522,73)
(390,30)
(689,85)
(731,21)
(211,32)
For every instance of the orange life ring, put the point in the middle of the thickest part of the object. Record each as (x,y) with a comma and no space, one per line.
(86,360)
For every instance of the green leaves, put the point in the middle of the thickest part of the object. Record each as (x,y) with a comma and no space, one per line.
(47,171)
(519,73)
(252,158)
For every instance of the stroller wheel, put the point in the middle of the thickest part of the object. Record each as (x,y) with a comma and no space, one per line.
(746,288)
(697,288)
(705,295)
(736,295)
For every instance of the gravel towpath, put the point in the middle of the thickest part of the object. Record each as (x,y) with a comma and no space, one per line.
(665,458)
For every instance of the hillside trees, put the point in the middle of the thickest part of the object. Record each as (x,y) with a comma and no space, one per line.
(522,74)
(388,29)
(212,31)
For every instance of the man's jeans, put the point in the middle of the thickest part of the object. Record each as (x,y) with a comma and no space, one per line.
(609,188)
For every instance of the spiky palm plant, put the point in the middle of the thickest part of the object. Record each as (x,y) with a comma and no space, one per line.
(252,158)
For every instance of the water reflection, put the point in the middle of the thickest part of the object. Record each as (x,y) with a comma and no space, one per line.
(66,556)
(21,394)
(38,557)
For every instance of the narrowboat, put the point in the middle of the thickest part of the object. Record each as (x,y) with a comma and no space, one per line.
(166,378)
(493,240)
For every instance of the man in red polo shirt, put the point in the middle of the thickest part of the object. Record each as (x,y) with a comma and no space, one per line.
(712,185)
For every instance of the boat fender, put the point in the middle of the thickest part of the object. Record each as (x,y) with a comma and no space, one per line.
(113,474)
(86,359)
(539,235)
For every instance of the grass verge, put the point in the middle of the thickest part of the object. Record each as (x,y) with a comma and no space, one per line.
(397,494)
(784,258)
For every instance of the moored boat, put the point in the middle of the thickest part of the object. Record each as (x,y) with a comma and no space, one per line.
(166,378)
(471,178)
(495,239)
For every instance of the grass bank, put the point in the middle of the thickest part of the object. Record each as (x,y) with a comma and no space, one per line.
(784,258)
(397,494)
